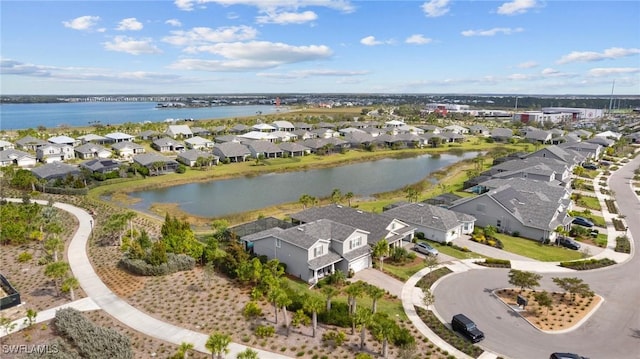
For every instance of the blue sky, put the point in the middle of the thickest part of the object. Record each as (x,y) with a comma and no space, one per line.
(316,46)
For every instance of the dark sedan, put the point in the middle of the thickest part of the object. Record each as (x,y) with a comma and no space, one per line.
(581,221)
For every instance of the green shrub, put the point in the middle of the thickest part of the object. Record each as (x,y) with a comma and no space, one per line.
(338,315)
(623,245)
(265,331)
(335,338)
(92,341)
(588,263)
(175,263)
(24,257)
(619,225)
(495,263)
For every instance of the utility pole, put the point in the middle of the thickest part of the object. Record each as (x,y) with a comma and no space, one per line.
(611,99)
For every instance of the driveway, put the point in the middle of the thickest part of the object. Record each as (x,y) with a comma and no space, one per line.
(380,280)
(613,331)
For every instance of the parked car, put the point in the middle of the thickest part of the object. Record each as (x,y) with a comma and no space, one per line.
(566,356)
(425,248)
(465,326)
(590,166)
(568,243)
(582,222)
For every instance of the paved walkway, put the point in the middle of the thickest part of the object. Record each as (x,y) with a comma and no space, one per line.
(106,300)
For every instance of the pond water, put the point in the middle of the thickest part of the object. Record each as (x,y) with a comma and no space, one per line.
(224,197)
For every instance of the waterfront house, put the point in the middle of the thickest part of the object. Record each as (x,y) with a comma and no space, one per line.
(198,143)
(315,249)
(265,149)
(90,150)
(293,149)
(156,163)
(19,158)
(568,156)
(55,170)
(436,223)
(167,145)
(479,130)
(101,165)
(127,150)
(231,151)
(178,131)
(55,152)
(29,143)
(115,137)
(378,226)
(190,158)
(501,134)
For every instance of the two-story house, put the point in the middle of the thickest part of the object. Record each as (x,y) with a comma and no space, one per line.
(315,249)
(54,153)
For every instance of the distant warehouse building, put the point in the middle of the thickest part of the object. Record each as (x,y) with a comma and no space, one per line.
(539,117)
(577,112)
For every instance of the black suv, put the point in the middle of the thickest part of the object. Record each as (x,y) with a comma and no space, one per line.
(465,326)
(566,356)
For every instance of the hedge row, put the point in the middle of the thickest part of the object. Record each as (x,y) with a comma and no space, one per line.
(175,263)
(495,263)
(619,225)
(611,206)
(588,264)
(623,245)
(448,335)
(92,341)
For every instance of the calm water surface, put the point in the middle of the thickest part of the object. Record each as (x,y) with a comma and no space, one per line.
(22,116)
(224,197)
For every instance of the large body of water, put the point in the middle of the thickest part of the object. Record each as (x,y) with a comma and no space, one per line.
(224,197)
(22,116)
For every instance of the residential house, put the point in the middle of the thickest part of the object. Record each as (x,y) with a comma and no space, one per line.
(156,163)
(258,136)
(456,129)
(199,131)
(379,227)
(408,129)
(93,138)
(6,145)
(521,207)
(116,137)
(54,152)
(442,200)
(219,130)
(479,130)
(198,143)
(609,134)
(304,134)
(227,138)
(284,136)
(265,149)
(149,135)
(127,150)
(359,139)
(239,129)
(29,143)
(537,168)
(302,126)
(570,157)
(293,149)
(349,130)
(325,125)
(55,170)
(64,140)
(431,128)
(535,135)
(263,127)
(190,158)
(325,132)
(167,145)
(501,134)
(19,158)
(602,141)
(231,151)
(90,150)
(373,131)
(285,126)
(178,131)
(437,223)
(451,137)
(315,249)
(101,165)
(588,149)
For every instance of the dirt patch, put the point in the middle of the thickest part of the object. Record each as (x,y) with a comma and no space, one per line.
(564,313)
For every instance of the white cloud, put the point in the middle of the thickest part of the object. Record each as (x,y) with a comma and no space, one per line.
(287,18)
(435,8)
(341,5)
(527,65)
(205,35)
(516,7)
(131,46)
(607,71)
(370,41)
(518,77)
(492,32)
(311,73)
(129,24)
(173,22)
(589,56)
(82,23)
(417,39)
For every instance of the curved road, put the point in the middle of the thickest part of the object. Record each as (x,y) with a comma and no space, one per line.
(119,308)
(613,331)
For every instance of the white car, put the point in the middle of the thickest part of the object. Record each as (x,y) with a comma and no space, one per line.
(425,248)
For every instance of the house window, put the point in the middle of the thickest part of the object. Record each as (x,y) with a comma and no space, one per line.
(498,223)
(317,251)
(355,243)
(278,243)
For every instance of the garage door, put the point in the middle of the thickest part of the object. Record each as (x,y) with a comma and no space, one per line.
(360,264)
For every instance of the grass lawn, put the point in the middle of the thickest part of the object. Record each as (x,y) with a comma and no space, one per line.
(453,252)
(588,202)
(537,251)
(404,271)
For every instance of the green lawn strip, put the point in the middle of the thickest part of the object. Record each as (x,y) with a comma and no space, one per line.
(597,220)
(588,202)
(602,240)
(403,272)
(535,250)
(453,252)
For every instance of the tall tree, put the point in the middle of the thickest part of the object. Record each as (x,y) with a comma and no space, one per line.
(218,344)
(283,302)
(375,294)
(57,271)
(349,196)
(329,292)
(354,290)
(70,284)
(574,286)
(363,317)
(523,279)
(381,250)
(336,196)
(544,300)
(314,305)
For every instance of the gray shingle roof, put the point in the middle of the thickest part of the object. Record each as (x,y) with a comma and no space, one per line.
(426,215)
(192,155)
(122,145)
(55,170)
(263,147)
(28,140)
(231,149)
(146,159)
(292,147)
(90,148)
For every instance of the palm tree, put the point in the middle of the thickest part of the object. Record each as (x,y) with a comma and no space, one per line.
(363,318)
(183,349)
(385,329)
(374,293)
(380,250)
(349,196)
(248,354)
(218,344)
(336,196)
(329,292)
(354,290)
(305,200)
(314,305)
(283,301)
(69,284)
